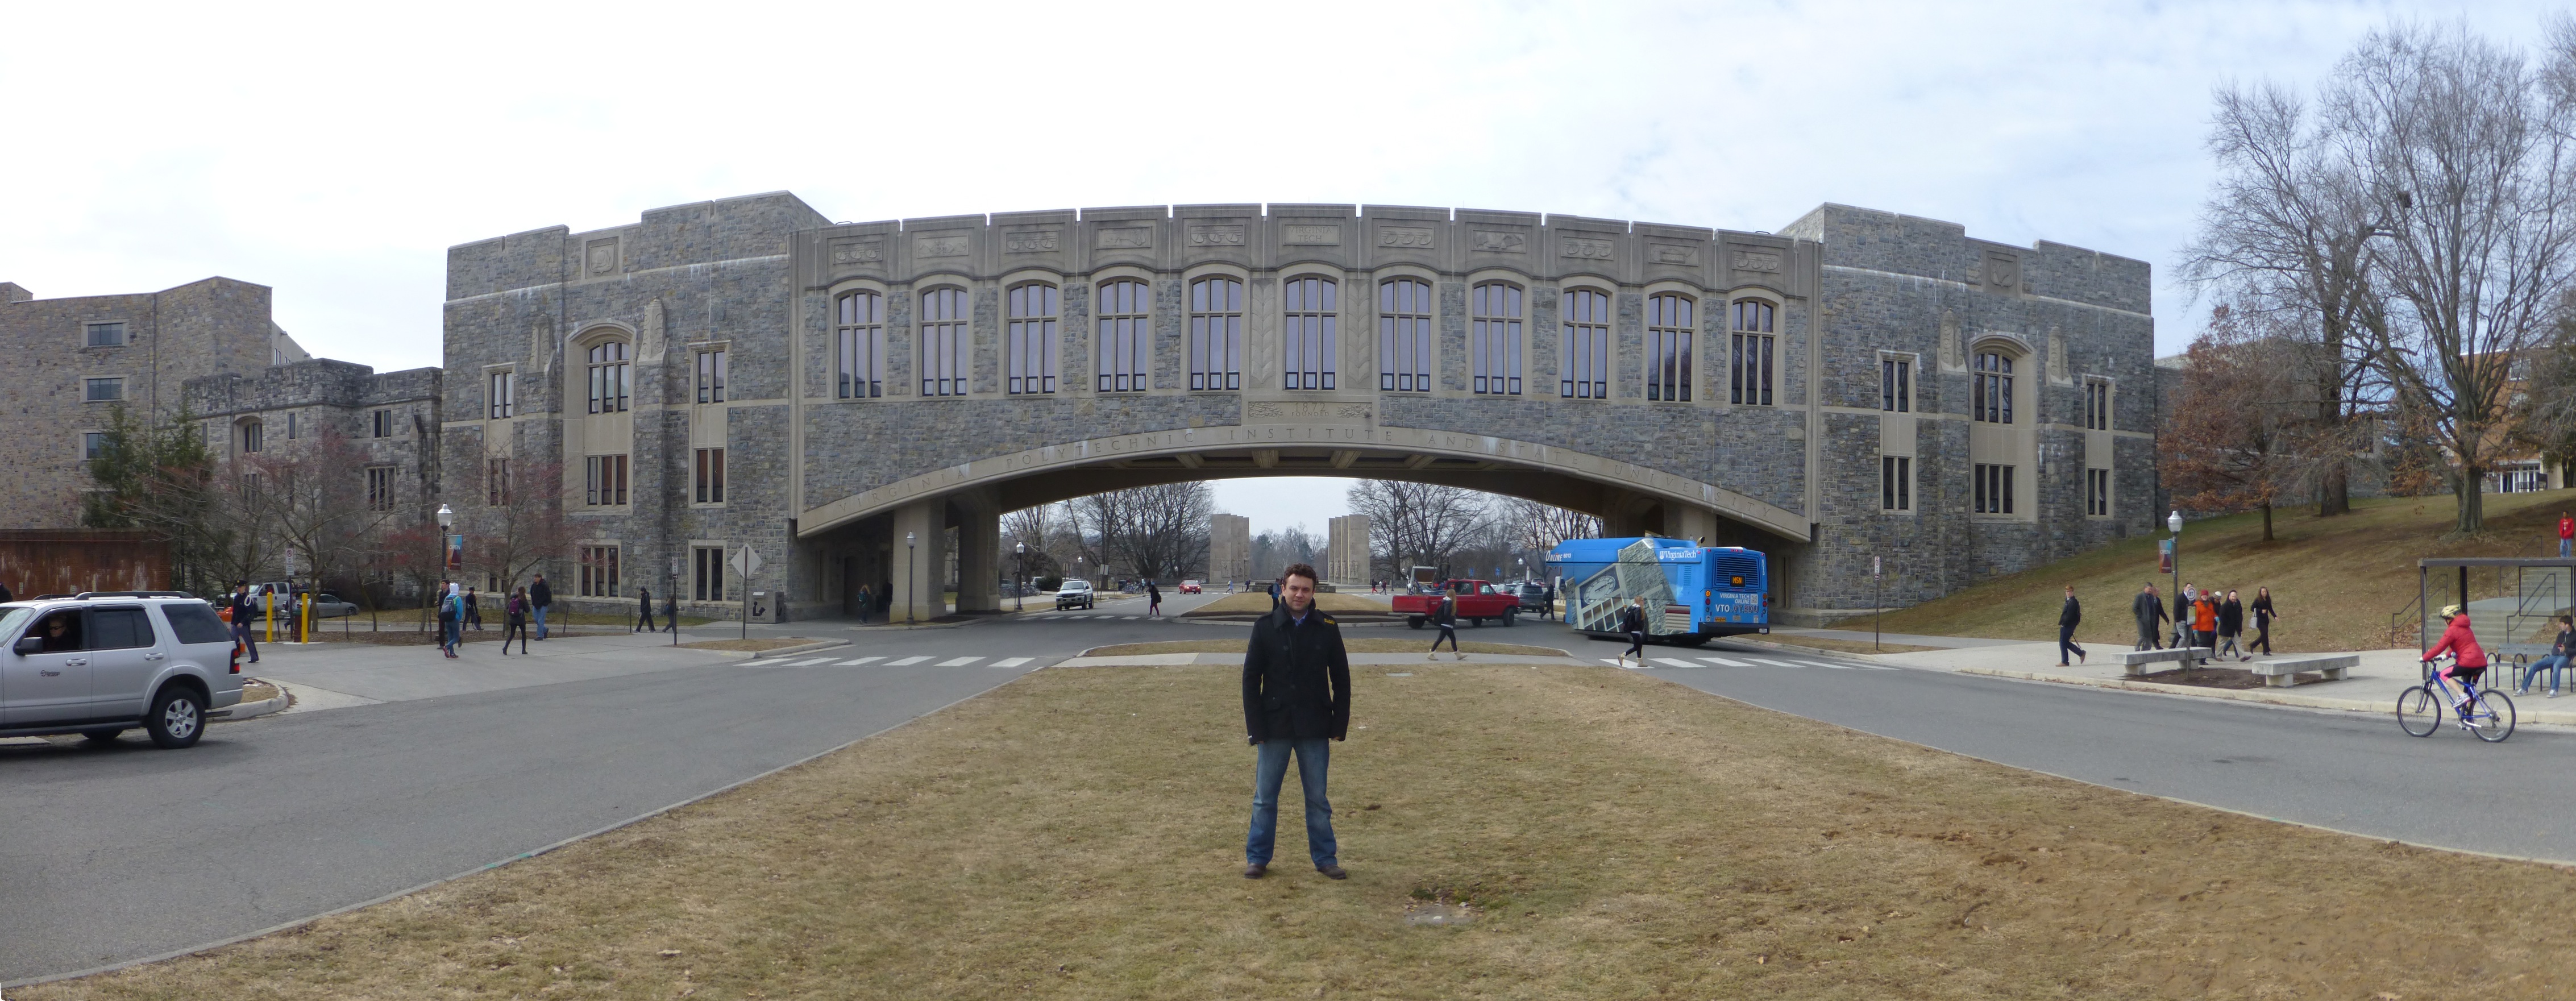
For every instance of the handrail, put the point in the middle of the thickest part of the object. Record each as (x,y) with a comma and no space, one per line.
(2396,637)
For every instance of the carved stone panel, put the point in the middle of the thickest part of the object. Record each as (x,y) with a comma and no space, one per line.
(941,245)
(1418,237)
(1496,242)
(1587,248)
(1031,241)
(870,250)
(1225,235)
(1310,234)
(1125,238)
(603,257)
(1954,357)
(2003,272)
(1758,259)
(1305,410)
(1673,252)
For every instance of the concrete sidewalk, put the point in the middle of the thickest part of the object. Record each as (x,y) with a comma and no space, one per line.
(328,675)
(2371,686)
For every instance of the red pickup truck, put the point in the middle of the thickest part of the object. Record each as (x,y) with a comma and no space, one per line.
(1477,601)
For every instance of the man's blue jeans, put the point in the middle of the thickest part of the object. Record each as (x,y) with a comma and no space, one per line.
(541,621)
(2554,664)
(1314,757)
(2564,545)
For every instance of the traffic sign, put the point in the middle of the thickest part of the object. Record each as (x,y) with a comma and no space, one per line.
(745,563)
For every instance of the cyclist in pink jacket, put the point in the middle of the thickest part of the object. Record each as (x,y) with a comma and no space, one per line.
(2468,660)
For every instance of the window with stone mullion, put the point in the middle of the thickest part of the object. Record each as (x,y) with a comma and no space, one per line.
(1584,357)
(1121,307)
(1751,354)
(943,342)
(861,335)
(1494,338)
(1309,333)
(1404,335)
(611,378)
(1668,348)
(1029,365)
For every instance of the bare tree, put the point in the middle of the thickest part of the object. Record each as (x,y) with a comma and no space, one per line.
(514,520)
(1153,532)
(1417,524)
(1539,527)
(2225,441)
(1037,529)
(309,495)
(2467,154)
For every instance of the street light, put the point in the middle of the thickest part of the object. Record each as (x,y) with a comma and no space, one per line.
(913,596)
(2173,522)
(1020,593)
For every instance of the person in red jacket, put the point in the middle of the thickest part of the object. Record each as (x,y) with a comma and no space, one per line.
(2468,659)
(2566,536)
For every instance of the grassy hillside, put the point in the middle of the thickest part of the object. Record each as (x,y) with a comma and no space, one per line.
(2335,580)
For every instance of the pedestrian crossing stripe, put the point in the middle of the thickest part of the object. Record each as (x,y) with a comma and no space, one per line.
(1777,663)
(1640,666)
(1010,662)
(1669,662)
(809,663)
(855,663)
(959,662)
(905,662)
(1723,662)
(1129,618)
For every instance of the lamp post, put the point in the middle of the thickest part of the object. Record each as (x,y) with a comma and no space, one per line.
(912,589)
(2173,523)
(446,518)
(1020,593)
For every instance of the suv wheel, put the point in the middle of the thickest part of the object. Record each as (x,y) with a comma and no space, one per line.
(104,735)
(177,719)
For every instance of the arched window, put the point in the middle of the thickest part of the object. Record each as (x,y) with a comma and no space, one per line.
(861,332)
(1404,335)
(248,435)
(1216,334)
(1583,372)
(1749,366)
(1670,328)
(1029,342)
(1494,337)
(1307,332)
(1121,307)
(611,378)
(943,342)
(1990,389)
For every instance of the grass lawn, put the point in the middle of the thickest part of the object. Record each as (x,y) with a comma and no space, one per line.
(1605,834)
(2336,580)
(1351,644)
(1330,601)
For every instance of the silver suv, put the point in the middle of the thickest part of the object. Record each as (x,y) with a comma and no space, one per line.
(101,663)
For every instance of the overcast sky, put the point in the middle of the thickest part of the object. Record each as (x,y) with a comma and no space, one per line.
(334,153)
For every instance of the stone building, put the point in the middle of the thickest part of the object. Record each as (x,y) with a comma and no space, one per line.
(65,362)
(1346,550)
(1229,548)
(862,401)
(388,424)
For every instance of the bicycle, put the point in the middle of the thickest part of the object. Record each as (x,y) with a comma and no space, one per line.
(2486,714)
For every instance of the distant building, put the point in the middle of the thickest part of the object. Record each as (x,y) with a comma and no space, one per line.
(1229,548)
(1346,550)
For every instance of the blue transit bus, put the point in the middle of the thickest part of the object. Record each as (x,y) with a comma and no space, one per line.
(1693,593)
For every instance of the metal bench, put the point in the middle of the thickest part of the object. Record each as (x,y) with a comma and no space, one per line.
(2284,672)
(2134,663)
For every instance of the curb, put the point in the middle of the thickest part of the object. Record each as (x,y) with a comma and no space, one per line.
(780,652)
(254,710)
(2256,696)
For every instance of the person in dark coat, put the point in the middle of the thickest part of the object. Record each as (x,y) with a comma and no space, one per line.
(2182,617)
(1445,615)
(2150,611)
(514,621)
(244,607)
(1632,623)
(644,611)
(1296,700)
(1153,600)
(2231,628)
(540,598)
(2069,616)
(2263,616)
(4,594)
(671,612)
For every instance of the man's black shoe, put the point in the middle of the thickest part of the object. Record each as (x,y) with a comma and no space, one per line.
(1254,870)
(1332,872)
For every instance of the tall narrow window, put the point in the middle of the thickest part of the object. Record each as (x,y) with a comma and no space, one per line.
(1494,337)
(711,375)
(1216,334)
(1404,335)
(1583,372)
(496,482)
(599,571)
(1669,332)
(611,380)
(943,342)
(1307,332)
(2097,492)
(711,476)
(862,345)
(1895,483)
(1990,389)
(251,436)
(1749,367)
(1895,384)
(1030,340)
(294,425)
(502,395)
(382,422)
(707,574)
(1122,306)
(1993,488)
(380,488)
(605,480)
(2097,405)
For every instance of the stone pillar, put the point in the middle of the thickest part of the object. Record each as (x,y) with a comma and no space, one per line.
(1698,524)
(979,554)
(1346,550)
(920,570)
(1229,548)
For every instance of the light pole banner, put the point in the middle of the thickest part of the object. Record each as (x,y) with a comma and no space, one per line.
(456,552)
(2164,555)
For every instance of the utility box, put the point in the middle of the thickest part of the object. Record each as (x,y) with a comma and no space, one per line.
(768,606)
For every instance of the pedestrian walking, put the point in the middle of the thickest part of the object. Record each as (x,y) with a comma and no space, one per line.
(1296,701)
(2566,536)
(449,610)
(2231,627)
(473,610)
(540,597)
(2149,610)
(2556,662)
(867,598)
(644,611)
(2069,616)
(2263,616)
(514,621)
(2182,617)
(671,612)
(2204,619)
(1632,622)
(1445,615)
(1153,600)
(243,608)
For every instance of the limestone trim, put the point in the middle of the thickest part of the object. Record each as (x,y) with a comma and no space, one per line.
(1056,458)
(622,274)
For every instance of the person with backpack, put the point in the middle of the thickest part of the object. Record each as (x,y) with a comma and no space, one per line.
(1153,600)
(514,621)
(450,611)
(244,607)
(1446,617)
(1632,621)
(473,611)
(671,612)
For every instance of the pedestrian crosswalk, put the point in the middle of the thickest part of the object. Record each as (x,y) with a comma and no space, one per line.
(1742,660)
(843,659)
(1091,615)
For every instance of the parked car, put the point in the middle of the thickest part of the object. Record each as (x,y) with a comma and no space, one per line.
(1192,587)
(1535,597)
(1074,594)
(99,664)
(1477,601)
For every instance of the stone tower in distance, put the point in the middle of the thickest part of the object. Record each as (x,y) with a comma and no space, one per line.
(1229,548)
(1346,550)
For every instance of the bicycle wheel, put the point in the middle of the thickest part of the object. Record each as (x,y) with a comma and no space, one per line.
(2494,717)
(2419,711)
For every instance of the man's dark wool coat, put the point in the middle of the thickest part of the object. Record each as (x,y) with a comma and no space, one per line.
(1296,678)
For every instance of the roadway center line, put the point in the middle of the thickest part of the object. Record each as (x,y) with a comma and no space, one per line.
(905,661)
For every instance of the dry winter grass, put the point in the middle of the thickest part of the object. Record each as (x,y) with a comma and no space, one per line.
(2336,579)
(1076,834)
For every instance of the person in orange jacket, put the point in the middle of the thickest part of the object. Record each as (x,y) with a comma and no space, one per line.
(2204,619)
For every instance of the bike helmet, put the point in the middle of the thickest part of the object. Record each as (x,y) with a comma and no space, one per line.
(2452,611)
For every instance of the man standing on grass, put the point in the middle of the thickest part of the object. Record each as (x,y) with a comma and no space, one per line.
(2150,611)
(1296,700)
(2069,616)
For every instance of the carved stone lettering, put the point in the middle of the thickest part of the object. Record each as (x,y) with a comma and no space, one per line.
(1305,410)
(1497,242)
(1590,250)
(1032,241)
(1748,259)
(1404,236)
(1126,238)
(1311,235)
(603,257)
(1217,236)
(1684,254)
(870,251)
(953,245)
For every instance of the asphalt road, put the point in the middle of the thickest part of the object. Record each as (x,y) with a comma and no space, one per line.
(108,855)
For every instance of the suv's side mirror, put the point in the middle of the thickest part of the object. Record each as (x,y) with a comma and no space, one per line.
(29,645)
